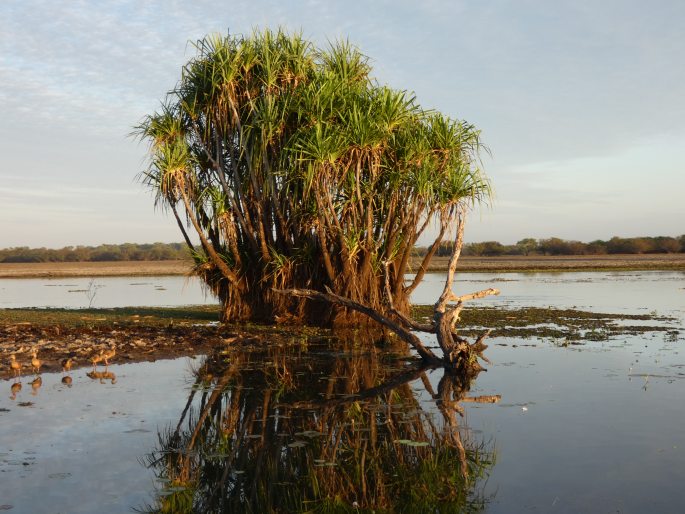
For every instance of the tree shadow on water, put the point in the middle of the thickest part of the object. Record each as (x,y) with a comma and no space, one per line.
(295,429)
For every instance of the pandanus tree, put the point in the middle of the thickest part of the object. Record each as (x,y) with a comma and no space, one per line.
(298,171)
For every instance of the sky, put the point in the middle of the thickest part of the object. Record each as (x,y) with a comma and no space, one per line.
(581,103)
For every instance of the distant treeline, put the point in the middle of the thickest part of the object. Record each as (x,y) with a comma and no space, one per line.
(528,246)
(556,246)
(122,252)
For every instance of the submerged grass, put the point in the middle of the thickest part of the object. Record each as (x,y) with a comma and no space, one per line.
(150,316)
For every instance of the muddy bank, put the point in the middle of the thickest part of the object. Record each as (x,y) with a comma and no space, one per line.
(138,334)
(147,334)
(132,344)
(439,264)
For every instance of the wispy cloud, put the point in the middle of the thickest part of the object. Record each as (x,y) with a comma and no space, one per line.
(562,90)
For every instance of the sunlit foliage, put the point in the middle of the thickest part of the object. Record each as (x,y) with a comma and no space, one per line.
(295,168)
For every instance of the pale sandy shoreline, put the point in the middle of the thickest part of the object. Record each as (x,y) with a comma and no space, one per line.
(472,264)
(94,269)
(653,262)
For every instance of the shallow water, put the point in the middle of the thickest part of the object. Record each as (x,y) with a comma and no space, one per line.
(106,292)
(595,429)
(634,291)
(77,449)
(592,428)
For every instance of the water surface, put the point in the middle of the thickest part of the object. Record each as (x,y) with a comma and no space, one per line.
(635,291)
(103,292)
(591,428)
(77,449)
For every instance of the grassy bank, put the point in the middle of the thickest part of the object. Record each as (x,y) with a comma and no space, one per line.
(521,322)
(565,326)
(147,316)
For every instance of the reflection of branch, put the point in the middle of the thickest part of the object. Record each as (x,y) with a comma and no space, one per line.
(216,394)
(428,385)
(391,384)
(193,390)
(372,392)
(448,398)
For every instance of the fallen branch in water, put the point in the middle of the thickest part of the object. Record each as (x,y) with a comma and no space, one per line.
(458,353)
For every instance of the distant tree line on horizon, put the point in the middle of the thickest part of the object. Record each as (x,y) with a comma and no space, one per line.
(101,253)
(557,246)
(527,246)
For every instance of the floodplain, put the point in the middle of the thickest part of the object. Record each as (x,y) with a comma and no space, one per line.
(579,409)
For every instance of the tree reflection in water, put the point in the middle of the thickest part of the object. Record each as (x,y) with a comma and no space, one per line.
(303,428)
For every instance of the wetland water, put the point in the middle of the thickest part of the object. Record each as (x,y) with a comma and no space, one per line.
(631,291)
(590,428)
(106,292)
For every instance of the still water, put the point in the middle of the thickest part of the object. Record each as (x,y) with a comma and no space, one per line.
(76,448)
(633,292)
(591,428)
(102,292)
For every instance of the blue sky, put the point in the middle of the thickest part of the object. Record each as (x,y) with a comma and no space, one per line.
(581,103)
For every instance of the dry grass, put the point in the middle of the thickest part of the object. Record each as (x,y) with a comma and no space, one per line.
(564,263)
(497,264)
(94,269)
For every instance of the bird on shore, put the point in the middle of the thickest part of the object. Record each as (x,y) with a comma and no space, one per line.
(67,363)
(109,354)
(97,358)
(15,366)
(35,361)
